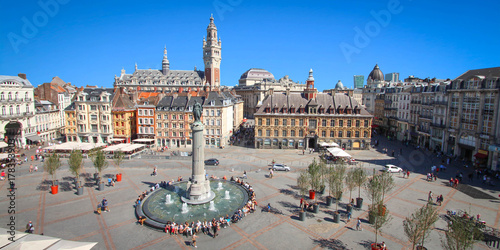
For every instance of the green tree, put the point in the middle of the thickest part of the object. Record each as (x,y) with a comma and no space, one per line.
(51,165)
(75,164)
(418,226)
(377,186)
(462,233)
(99,160)
(303,183)
(118,157)
(315,171)
(336,181)
(349,181)
(359,177)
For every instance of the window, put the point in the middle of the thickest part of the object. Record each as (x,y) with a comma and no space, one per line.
(151,121)
(332,134)
(174,134)
(276,134)
(323,133)
(356,134)
(166,124)
(268,122)
(292,133)
(212,132)
(357,123)
(159,117)
(276,122)
(285,121)
(301,133)
(366,123)
(341,123)
(174,125)
(93,117)
(212,112)
(181,117)
(94,127)
(293,122)
(93,107)
(218,112)
(174,117)
(207,113)
(218,131)
(259,132)
(259,122)
(268,132)
(348,134)
(158,125)
(340,134)
(365,134)
(301,122)
(323,122)
(140,111)
(283,133)
(349,123)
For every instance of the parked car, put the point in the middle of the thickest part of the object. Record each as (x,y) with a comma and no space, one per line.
(392,169)
(212,161)
(280,167)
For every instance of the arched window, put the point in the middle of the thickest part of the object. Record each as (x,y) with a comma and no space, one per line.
(10,96)
(2,96)
(3,110)
(27,108)
(26,96)
(18,109)
(17,95)
(11,110)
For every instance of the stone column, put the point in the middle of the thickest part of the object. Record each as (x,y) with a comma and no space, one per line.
(198,173)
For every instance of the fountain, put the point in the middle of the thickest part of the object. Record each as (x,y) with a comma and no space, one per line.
(196,199)
(184,208)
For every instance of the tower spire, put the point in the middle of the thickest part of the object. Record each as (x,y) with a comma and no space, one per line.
(212,55)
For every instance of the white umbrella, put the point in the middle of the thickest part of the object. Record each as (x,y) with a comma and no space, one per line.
(32,241)
(75,245)
(342,153)
(333,151)
(333,144)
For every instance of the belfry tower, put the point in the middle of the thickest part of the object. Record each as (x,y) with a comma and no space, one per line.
(211,55)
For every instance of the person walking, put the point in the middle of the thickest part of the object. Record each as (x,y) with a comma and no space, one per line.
(358,225)
(194,240)
(271,174)
(349,214)
(429,198)
(407,173)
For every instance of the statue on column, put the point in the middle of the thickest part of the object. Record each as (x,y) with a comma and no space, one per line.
(197,111)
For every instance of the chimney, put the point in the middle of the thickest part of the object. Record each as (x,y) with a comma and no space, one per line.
(22,75)
(287,91)
(271,91)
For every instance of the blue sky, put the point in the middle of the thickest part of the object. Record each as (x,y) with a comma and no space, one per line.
(88,42)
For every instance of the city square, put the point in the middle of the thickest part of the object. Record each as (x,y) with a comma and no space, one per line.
(71,217)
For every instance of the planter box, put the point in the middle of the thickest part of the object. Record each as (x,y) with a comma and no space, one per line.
(359,203)
(54,189)
(312,194)
(329,200)
(79,190)
(349,209)
(302,216)
(315,208)
(101,186)
(336,217)
(118,177)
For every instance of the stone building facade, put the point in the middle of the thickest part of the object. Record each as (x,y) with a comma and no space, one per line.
(123,111)
(302,120)
(17,109)
(167,80)
(91,108)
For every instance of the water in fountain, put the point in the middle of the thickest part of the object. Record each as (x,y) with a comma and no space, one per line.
(168,199)
(212,206)
(184,208)
(227,195)
(219,186)
(176,189)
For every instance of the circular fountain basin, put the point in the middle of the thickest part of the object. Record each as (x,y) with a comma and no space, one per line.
(158,212)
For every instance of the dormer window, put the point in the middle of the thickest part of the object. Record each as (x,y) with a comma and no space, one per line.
(268,110)
(212,103)
(312,110)
(275,110)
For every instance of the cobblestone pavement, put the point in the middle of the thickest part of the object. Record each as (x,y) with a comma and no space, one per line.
(72,217)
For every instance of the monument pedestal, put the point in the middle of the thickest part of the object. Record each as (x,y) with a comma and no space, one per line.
(198,191)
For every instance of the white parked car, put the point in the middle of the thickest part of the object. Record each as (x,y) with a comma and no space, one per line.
(392,169)
(281,167)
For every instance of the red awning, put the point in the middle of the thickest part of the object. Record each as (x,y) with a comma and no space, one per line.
(374,126)
(481,156)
